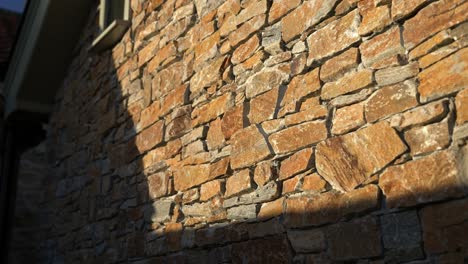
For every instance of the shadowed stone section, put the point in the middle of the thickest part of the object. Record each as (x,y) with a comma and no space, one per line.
(342,33)
(401,233)
(357,239)
(329,207)
(249,146)
(428,179)
(304,17)
(447,76)
(347,161)
(269,250)
(307,240)
(444,226)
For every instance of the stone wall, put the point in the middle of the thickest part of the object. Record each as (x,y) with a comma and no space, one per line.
(265,131)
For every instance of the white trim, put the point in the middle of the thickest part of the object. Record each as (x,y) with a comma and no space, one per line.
(26,44)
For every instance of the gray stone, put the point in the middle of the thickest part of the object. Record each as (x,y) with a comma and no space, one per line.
(271,39)
(197,209)
(263,229)
(242,212)
(345,100)
(160,210)
(401,230)
(266,193)
(205,6)
(307,240)
(398,74)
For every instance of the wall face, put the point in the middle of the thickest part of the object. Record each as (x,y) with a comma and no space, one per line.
(265,132)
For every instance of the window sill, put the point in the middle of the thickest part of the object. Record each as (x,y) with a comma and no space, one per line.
(110,36)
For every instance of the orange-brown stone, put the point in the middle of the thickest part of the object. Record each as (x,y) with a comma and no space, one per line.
(309,14)
(337,66)
(428,179)
(461,103)
(381,47)
(432,19)
(342,33)
(246,50)
(351,82)
(249,146)
(210,189)
(329,207)
(390,100)
(263,106)
(280,7)
(150,137)
(348,118)
(447,76)
(299,136)
(298,162)
(428,138)
(233,121)
(238,183)
(347,161)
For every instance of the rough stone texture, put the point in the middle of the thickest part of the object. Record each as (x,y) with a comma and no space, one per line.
(307,240)
(242,212)
(249,146)
(444,226)
(233,121)
(445,77)
(272,250)
(263,106)
(314,183)
(245,50)
(344,245)
(301,86)
(394,75)
(401,233)
(343,33)
(264,193)
(390,100)
(271,209)
(329,207)
(433,18)
(337,66)
(351,82)
(264,81)
(421,115)
(143,137)
(238,183)
(210,189)
(309,13)
(402,8)
(428,138)
(348,118)
(374,20)
(428,179)
(381,48)
(348,160)
(461,103)
(299,162)
(280,7)
(299,136)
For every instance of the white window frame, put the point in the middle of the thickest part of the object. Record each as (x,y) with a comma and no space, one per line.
(113,32)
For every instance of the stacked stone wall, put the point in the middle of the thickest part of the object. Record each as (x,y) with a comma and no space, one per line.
(265,131)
